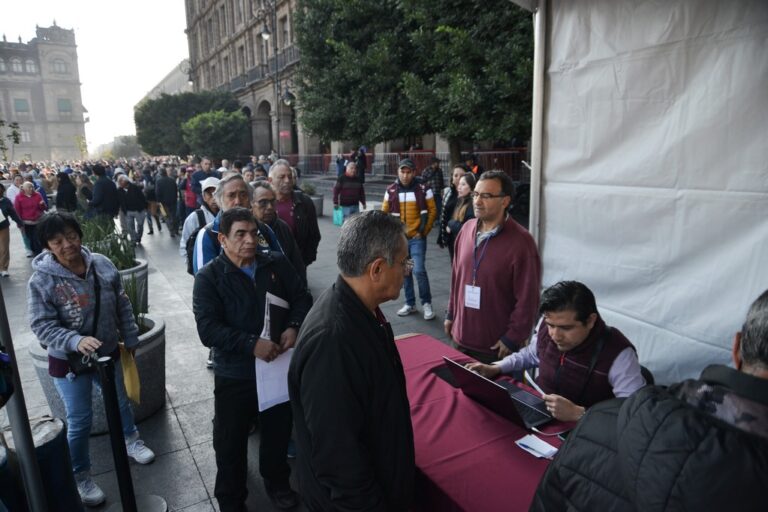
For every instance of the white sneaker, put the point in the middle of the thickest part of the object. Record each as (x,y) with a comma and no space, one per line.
(90,493)
(137,451)
(4,274)
(406,310)
(428,313)
(29,253)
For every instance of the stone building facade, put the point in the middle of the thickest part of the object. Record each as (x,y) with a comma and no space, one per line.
(40,89)
(228,51)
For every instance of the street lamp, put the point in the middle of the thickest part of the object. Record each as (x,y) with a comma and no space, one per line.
(268,13)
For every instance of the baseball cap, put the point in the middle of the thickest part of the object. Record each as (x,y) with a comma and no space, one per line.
(407,162)
(209,183)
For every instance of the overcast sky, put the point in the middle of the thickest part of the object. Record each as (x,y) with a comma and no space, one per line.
(124,49)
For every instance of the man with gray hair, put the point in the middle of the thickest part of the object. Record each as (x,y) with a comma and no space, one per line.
(232,191)
(697,445)
(264,199)
(296,209)
(351,412)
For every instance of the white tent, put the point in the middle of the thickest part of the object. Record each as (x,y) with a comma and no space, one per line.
(650,166)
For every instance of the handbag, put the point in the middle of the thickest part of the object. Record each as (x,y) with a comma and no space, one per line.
(338,216)
(80,363)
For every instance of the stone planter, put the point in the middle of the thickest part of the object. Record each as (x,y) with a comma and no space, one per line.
(317,200)
(150,360)
(141,273)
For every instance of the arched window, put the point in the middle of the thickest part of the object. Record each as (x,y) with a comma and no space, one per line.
(16,65)
(30,66)
(2,66)
(59,66)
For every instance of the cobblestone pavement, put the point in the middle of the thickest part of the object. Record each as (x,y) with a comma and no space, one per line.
(181,433)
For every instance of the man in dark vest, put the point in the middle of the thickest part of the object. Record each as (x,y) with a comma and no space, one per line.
(581,360)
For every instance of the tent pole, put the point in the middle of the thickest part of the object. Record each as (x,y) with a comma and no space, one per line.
(537,116)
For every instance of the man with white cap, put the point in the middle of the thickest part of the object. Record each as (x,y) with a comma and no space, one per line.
(202,216)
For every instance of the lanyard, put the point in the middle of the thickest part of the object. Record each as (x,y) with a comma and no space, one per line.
(476,262)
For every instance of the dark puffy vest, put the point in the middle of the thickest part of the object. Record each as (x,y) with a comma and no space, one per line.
(565,373)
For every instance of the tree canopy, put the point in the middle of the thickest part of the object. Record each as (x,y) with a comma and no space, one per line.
(374,70)
(158,121)
(217,134)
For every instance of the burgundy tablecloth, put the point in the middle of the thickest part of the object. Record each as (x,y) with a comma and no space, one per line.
(465,454)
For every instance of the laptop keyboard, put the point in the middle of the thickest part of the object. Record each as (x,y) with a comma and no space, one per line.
(536,409)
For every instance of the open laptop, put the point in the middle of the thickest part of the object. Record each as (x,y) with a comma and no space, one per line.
(504,398)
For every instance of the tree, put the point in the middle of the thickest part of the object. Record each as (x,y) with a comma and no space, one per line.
(13,135)
(376,70)
(158,121)
(126,146)
(217,134)
(352,57)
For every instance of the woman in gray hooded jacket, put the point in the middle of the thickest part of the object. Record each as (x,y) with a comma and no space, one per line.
(63,293)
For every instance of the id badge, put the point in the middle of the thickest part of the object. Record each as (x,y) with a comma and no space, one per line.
(471,296)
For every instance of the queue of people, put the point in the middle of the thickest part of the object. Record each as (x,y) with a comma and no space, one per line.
(250,236)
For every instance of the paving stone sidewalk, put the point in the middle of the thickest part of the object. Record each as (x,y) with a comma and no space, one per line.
(181,433)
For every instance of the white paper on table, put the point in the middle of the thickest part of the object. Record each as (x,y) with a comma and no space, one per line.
(272,380)
(536,447)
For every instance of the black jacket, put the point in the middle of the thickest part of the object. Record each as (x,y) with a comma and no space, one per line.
(66,196)
(289,246)
(307,231)
(105,200)
(699,445)
(229,308)
(9,212)
(166,191)
(132,198)
(351,412)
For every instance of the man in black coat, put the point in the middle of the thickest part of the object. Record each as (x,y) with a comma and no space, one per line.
(229,301)
(296,209)
(166,194)
(134,207)
(105,201)
(264,199)
(354,439)
(697,445)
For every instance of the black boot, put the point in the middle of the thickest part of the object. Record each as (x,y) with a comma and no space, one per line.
(159,227)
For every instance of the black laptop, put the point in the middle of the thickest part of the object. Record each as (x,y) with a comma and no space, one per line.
(502,397)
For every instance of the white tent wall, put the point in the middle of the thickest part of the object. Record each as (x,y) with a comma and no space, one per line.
(655,169)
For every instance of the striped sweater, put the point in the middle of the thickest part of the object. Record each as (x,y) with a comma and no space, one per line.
(404,202)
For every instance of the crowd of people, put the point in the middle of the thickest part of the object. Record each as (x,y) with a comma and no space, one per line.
(249,234)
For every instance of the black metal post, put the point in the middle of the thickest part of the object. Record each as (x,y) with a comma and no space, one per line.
(22,434)
(112,409)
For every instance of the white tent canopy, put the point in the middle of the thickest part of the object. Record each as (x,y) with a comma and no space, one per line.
(652,155)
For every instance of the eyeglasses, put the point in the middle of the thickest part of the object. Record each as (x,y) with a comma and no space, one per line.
(263,203)
(485,196)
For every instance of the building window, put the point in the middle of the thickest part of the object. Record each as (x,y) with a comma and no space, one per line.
(283,42)
(241,58)
(214,78)
(16,65)
(59,66)
(238,11)
(2,66)
(225,68)
(21,105)
(223,21)
(31,66)
(209,43)
(25,136)
(65,107)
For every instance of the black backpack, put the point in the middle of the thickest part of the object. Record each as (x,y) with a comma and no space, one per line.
(191,240)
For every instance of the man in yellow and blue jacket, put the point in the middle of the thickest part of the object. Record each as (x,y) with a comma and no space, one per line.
(414,203)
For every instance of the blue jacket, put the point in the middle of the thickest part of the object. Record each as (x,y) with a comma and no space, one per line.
(206,249)
(61,305)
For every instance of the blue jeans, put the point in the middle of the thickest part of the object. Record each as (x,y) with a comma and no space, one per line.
(350,210)
(76,395)
(417,251)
